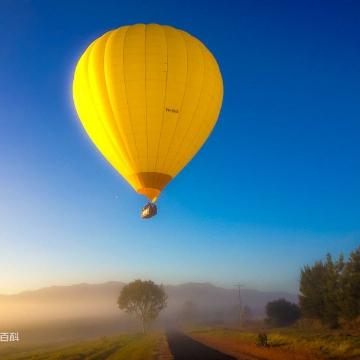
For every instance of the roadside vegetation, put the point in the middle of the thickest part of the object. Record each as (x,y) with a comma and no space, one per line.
(330,291)
(283,343)
(281,313)
(123,347)
(325,324)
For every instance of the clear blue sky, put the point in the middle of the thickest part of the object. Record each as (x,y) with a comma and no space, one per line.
(275,187)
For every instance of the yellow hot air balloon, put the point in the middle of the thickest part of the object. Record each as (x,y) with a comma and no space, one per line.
(148,96)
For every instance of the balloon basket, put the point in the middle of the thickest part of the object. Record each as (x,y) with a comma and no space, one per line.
(148,211)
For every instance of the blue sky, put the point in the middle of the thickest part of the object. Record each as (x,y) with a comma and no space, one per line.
(275,187)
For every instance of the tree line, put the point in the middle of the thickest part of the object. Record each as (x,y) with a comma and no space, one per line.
(330,290)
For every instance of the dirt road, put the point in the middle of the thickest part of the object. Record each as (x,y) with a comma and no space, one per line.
(185,348)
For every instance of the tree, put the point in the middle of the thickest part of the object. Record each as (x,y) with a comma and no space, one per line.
(282,312)
(333,291)
(350,300)
(329,290)
(144,299)
(321,290)
(311,299)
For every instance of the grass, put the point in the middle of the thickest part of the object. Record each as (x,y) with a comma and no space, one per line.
(123,347)
(287,343)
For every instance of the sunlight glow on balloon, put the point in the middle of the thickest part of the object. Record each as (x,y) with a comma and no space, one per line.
(148,96)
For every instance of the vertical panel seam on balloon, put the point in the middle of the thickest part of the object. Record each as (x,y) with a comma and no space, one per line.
(95,107)
(203,124)
(130,157)
(195,111)
(127,161)
(164,103)
(182,101)
(146,118)
(85,76)
(126,97)
(197,105)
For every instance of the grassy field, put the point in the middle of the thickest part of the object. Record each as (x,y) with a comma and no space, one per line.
(284,344)
(123,347)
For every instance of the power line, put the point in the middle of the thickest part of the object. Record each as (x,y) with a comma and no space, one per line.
(239,286)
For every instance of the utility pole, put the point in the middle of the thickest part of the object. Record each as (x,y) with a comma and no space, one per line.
(239,286)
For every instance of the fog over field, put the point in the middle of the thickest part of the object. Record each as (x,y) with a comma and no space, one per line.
(98,301)
(59,314)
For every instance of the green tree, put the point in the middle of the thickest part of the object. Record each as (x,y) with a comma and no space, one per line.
(144,299)
(350,300)
(333,291)
(282,312)
(311,299)
(321,290)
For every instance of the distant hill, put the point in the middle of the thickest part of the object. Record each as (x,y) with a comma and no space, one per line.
(208,297)
(96,301)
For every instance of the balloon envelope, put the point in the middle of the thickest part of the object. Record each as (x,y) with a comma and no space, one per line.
(148,96)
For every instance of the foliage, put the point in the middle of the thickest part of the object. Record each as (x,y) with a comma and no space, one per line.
(350,308)
(329,290)
(312,280)
(144,299)
(282,312)
(284,343)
